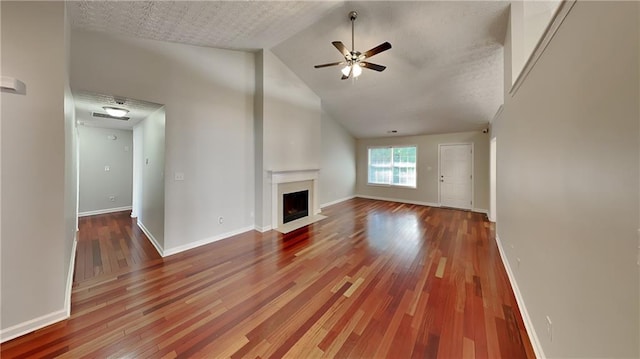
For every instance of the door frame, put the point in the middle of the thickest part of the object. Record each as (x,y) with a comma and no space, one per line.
(493,179)
(473,175)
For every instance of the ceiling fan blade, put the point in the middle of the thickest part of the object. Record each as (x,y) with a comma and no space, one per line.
(372,66)
(343,49)
(331,64)
(378,49)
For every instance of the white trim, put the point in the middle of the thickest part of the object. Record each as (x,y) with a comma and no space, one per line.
(528,324)
(429,204)
(473,169)
(185,247)
(481,210)
(337,201)
(262,229)
(498,113)
(493,179)
(392,185)
(72,264)
(419,203)
(561,13)
(32,325)
(152,239)
(104,211)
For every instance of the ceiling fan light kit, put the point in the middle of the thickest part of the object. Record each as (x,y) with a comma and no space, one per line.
(354,60)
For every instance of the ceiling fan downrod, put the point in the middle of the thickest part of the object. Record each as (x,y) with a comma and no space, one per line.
(353,15)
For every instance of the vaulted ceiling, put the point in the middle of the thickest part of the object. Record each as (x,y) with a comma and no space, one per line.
(444,72)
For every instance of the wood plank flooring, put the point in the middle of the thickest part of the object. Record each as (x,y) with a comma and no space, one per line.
(110,243)
(376,279)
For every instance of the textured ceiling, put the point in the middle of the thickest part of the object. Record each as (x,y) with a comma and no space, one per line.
(240,25)
(88,102)
(445,70)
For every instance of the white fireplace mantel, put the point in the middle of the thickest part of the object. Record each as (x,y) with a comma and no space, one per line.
(285,176)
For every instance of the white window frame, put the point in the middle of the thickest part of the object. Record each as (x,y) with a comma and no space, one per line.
(369,148)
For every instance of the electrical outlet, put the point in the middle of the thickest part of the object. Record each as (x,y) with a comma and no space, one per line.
(220,220)
(112,198)
(179,176)
(107,168)
(549,329)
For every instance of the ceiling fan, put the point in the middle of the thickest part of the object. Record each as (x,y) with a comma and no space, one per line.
(354,60)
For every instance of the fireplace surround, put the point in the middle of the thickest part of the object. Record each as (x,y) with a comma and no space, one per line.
(289,181)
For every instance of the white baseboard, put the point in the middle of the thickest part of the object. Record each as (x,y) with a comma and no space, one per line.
(104,211)
(337,201)
(184,247)
(420,203)
(262,229)
(32,325)
(528,324)
(400,200)
(152,239)
(72,263)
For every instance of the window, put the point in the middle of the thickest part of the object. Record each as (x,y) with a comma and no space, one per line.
(392,166)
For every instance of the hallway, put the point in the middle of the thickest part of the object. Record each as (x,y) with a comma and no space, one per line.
(110,244)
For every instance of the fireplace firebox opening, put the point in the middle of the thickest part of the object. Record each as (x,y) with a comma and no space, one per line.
(295,205)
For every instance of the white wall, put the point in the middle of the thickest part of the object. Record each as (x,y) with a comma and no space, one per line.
(37,210)
(138,163)
(529,20)
(151,160)
(208,98)
(568,197)
(290,125)
(98,150)
(337,180)
(426,191)
(71,171)
(291,118)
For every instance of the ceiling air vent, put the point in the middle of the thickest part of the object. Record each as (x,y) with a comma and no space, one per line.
(104,115)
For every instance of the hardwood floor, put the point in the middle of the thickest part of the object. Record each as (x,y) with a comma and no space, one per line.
(375,279)
(110,243)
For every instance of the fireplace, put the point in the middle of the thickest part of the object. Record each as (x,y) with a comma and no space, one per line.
(295,205)
(291,181)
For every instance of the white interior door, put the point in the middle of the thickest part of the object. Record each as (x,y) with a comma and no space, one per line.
(456,175)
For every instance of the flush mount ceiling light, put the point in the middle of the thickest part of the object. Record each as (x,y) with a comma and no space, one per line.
(354,60)
(115,111)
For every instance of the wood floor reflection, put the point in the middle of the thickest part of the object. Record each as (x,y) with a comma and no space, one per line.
(375,279)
